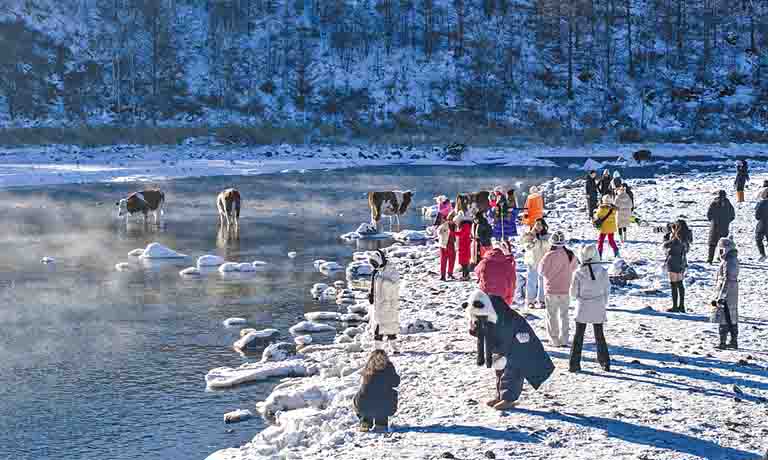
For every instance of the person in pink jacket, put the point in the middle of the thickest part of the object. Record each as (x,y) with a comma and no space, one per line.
(556,268)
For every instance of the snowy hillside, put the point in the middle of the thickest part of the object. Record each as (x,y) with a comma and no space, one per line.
(543,69)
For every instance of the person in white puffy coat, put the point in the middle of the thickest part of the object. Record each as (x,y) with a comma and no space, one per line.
(384,317)
(536,244)
(590,288)
(625,204)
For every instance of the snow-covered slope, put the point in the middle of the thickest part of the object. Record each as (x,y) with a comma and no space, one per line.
(670,394)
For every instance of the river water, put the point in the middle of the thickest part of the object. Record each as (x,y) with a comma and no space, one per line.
(104,364)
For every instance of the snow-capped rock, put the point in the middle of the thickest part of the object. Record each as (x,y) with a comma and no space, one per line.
(209,261)
(234,321)
(310,327)
(279,351)
(225,377)
(252,338)
(138,252)
(229,267)
(47,260)
(125,267)
(190,272)
(158,251)
(323,316)
(237,416)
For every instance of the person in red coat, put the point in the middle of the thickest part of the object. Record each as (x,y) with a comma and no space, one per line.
(497,273)
(463,236)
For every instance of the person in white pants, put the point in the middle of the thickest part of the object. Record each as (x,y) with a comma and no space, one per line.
(556,268)
(536,244)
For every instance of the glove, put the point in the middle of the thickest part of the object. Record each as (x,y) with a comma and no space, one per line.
(523,337)
(370,299)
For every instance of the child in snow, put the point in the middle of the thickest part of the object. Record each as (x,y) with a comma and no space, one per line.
(536,244)
(605,222)
(447,242)
(508,344)
(720,215)
(726,303)
(556,268)
(444,208)
(497,273)
(590,288)
(385,298)
(742,177)
(534,206)
(376,400)
(463,236)
(624,205)
(676,263)
(481,237)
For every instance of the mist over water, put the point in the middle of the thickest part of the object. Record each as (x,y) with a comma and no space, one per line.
(104,363)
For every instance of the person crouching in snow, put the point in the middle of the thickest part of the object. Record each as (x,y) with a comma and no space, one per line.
(556,268)
(497,273)
(536,244)
(385,298)
(726,303)
(376,400)
(447,240)
(590,289)
(481,237)
(463,235)
(508,344)
(605,223)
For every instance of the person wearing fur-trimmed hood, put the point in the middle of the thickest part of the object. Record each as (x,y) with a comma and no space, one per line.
(726,303)
(384,295)
(590,288)
(508,344)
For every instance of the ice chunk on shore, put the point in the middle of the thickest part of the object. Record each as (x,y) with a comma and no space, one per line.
(136,252)
(292,254)
(125,267)
(209,261)
(158,251)
(234,321)
(302,340)
(259,264)
(190,272)
(227,377)
(229,267)
(254,338)
(310,327)
(246,268)
(237,416)
(279,351)
(323,316)
(47,260)
(328,267)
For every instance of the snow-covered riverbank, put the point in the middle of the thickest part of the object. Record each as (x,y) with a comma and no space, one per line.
(67,164)
(670,394)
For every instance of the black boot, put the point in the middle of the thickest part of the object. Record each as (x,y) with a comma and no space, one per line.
(603,357)
(734,337)
(381,425)
(673,285)
(578,342)
(723,331)
(681,296)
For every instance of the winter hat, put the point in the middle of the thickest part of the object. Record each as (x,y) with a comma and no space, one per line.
(557,239)
(606,172)
(441,199)
(616,174)
(721,194)
(726,245)
(763,194)
(588,254)
(765,183)
(498,189)
(534,190)
(607,199)
(479,304)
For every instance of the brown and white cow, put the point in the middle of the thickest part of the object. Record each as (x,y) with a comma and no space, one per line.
(228,204)
(471,203)
(145,201)
(391,203)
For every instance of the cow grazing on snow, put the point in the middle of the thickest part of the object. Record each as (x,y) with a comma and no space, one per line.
(145,201)
(392,204)
(642,155)
(228,203)
(470,203)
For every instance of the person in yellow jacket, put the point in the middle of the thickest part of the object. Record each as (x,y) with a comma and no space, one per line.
(534,206)
(605,222)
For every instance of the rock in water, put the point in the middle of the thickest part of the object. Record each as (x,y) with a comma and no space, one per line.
(252,338)
(190,272)
(237,416)
(292,254)
(234,321)
(47,260)
(136,252)
(209,261)
(279,351)
(158,251)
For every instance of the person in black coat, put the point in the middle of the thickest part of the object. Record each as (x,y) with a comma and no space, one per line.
(508,344)
(376,400)
(761,230)
(592,189)
(720,215)
(676,264)
(742,177)
(605,183)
